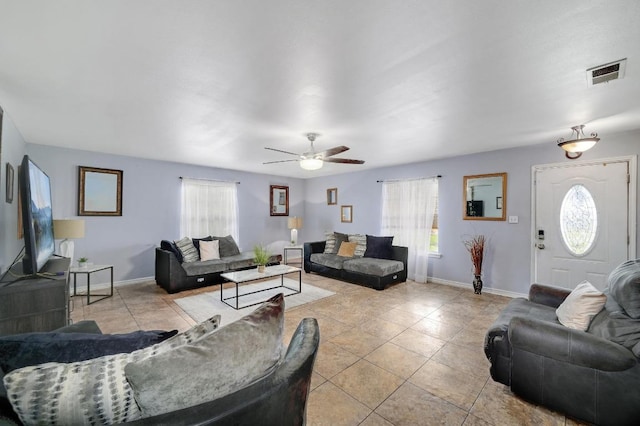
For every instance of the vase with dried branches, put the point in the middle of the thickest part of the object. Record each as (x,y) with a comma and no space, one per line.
(475,246)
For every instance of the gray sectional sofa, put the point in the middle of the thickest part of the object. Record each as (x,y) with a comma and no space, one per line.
(374,268)
(175,275)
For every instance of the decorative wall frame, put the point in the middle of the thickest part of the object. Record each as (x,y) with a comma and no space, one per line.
(99,192)
(484,197)
(346,214)
(332,196)
(278,200)
(9,176)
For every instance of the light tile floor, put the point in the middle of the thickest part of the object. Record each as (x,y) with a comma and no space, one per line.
(409,355)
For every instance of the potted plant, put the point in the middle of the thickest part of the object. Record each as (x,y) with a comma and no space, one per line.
(475,246)
(82,262)
(260,257)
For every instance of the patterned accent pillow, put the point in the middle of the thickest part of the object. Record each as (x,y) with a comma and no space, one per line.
(334,239)
(237,355)
(361,244)
(188,250)
(95,391)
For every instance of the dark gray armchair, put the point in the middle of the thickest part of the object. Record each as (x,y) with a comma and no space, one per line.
(578,373)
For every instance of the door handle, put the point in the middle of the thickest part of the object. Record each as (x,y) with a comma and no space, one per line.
(540,246)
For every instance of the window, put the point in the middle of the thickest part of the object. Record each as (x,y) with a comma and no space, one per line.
(578,220)
(209,208)
(408,209)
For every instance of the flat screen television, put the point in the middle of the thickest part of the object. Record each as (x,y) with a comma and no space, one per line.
(37,216)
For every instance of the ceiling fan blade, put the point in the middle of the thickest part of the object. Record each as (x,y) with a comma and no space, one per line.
(279,161)
(333,151)
(343,160)
(284,152)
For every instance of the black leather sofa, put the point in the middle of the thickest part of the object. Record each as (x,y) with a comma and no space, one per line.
(576,372)
(280,398)
(175,276)
(376,279)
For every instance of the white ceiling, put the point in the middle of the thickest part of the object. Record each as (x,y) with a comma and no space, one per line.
(214,82)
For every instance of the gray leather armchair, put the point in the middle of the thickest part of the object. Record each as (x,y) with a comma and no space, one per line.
(575,372)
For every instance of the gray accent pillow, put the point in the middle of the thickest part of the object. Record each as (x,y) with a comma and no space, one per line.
(188,250)
(624,286)
(223,362)
(333,241)
(228,246)
(361,244)
(95,391)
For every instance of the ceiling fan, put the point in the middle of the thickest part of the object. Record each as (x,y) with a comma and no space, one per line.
(312,160)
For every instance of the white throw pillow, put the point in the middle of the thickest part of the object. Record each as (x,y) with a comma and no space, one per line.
(579,308)
(209,250)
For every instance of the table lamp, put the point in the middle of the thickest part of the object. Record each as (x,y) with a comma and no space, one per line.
(66,229)
(295,223)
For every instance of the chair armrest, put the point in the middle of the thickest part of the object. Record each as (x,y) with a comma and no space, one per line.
(309,249)
(568,345)
(547,295)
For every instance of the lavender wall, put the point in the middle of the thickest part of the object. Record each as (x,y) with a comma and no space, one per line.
(12,151)
(508,258)
(151,206)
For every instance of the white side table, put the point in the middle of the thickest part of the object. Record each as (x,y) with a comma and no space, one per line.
(286,255)
(88,270)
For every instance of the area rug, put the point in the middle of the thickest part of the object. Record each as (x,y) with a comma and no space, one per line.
(205,305)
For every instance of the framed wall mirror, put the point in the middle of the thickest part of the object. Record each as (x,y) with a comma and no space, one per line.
(99,192)
(346,214)
(279,200)
(485,197)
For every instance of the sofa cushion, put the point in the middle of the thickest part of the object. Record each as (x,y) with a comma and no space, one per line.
(580,306)
(361,244)
(624,286)
(371,266)
(614,324)
(94,391)
(379,247)
(22,350)
(188,250)
(171,246)
(228,246)
(329,260)
(347,249)
(333,241)
(209,250)
(193,269)
(216,365)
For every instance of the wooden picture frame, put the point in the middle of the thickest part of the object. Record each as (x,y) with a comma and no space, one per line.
(278,200)
(332,196)
(99,191)
(346,214)
(479,193)
(9,176)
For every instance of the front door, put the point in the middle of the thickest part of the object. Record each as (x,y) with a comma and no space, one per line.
(581,222)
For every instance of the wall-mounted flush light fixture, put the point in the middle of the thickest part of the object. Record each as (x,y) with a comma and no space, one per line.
(578,142)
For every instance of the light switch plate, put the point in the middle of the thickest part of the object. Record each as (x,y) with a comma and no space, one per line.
(513,219)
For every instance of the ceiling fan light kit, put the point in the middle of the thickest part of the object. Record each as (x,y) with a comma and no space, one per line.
(578,142)
(313,160)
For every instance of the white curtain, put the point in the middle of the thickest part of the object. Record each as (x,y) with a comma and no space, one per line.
(407,214)
(209,208)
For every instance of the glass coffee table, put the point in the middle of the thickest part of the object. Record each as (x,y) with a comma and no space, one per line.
(251,275)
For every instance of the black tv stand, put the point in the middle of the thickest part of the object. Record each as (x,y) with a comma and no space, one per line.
(36,303)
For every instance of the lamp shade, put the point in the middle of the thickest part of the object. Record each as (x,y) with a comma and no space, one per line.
(68,228)
(295,223)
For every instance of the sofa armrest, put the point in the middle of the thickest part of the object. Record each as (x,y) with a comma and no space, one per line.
(568,345)
(400,253)
(547,295)
(309,249)
(169,273)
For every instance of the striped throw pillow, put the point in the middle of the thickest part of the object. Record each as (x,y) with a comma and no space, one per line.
(188,250)
(361,244)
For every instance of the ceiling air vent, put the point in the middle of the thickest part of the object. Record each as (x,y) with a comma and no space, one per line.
(607,72)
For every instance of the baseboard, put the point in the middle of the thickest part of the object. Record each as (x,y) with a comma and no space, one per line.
(469,286)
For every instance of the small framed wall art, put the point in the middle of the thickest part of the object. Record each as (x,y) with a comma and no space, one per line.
(332,196)
(279,200)
(99,192)
(346,214)
(9,183)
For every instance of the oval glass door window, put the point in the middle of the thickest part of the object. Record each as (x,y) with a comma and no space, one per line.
(578,220)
